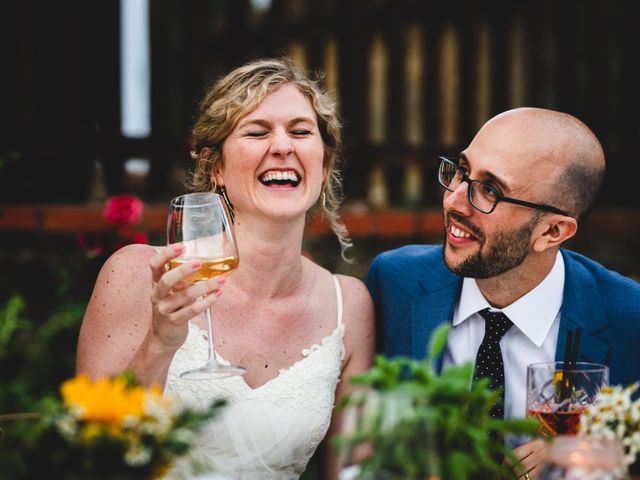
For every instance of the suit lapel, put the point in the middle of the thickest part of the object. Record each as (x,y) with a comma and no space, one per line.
(434,307)
(427,313)
(582,308)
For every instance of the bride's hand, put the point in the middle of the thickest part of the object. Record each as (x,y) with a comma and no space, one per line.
(174,301)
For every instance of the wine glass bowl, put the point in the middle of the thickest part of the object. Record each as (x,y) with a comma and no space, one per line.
(558,393)
(201,222)
(210,267)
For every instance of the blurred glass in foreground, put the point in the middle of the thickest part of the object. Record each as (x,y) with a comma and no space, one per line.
(578,458)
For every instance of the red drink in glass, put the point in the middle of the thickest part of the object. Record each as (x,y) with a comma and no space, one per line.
(552,423)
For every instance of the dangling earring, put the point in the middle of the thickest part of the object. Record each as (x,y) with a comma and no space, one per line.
(324,205)
(223,192)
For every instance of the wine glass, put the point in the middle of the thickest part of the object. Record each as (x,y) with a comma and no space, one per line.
(201,222)
(558,393)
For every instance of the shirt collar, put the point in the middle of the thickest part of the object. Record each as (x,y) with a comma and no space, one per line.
(533,313)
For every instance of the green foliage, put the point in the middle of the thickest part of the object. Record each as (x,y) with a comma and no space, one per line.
(421,424)
(35,357)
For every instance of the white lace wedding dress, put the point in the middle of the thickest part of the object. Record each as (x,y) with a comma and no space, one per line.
(269,432)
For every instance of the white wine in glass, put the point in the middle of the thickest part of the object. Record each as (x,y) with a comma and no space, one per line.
(201,222)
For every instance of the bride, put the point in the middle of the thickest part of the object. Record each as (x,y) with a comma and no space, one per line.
(268,139)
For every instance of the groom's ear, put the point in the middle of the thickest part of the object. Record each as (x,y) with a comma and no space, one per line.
(553,232)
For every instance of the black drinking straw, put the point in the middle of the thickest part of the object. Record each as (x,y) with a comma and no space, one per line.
(576,345)
(568,355)
(574,354)
(571,348)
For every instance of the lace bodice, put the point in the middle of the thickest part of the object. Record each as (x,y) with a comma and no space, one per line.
(269,432)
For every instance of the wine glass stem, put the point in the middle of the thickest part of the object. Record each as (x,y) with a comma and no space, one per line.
(212,350)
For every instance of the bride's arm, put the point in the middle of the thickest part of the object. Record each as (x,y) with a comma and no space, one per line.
(138,315)
(118,314)
(359,342)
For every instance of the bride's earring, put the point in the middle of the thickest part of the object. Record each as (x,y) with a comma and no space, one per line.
(323,201)
(223,192)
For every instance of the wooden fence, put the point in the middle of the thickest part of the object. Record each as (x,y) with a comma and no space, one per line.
(414,79)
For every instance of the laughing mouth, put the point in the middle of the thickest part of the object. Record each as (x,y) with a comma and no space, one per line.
(456,232)
(280,178)
(470,231)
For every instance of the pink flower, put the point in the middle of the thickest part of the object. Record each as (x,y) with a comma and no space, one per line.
(123,210)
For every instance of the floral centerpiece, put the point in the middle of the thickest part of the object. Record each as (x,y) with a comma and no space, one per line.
(112,428)
(413,423)
(616,415)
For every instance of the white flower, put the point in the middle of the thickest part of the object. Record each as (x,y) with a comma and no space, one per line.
(137,455)
(130,421)
(160,413)
(67,426)
(615,416)
(77,411)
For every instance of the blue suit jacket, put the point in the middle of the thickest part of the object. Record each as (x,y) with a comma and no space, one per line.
(414,292)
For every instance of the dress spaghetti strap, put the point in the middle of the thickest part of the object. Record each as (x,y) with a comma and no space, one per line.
(338,298)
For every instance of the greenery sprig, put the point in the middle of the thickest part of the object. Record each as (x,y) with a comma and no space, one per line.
(421,424)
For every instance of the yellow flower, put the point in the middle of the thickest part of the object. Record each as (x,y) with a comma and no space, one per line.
(107,400)
(142,427)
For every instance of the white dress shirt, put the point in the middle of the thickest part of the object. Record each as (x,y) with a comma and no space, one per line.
(536,319)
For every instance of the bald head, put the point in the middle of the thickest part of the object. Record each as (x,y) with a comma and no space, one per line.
(559,146)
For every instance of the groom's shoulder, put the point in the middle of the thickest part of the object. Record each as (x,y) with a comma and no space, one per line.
(583,273)
(408,271)
(413,253)
(410,258)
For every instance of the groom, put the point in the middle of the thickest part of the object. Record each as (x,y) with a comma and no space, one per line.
(512,198)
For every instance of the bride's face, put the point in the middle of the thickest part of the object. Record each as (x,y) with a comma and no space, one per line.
(273,158)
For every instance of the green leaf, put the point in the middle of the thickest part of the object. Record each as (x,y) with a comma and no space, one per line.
(458,466)
(438,340)
(9,320)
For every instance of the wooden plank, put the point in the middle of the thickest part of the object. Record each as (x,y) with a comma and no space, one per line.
(19,218)
(71,218)
(66,219)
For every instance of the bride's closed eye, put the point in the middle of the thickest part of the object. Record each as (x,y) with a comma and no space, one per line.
(301,132)
(256,134)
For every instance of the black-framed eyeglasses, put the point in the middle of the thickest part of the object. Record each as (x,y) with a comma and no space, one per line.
(482,197)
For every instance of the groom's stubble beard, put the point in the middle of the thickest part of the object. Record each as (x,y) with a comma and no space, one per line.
(506,251)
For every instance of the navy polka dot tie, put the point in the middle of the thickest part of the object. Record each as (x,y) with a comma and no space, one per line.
(489,359)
